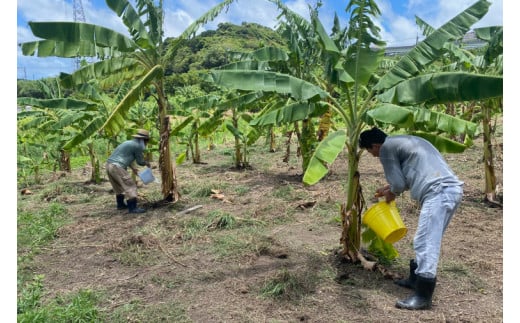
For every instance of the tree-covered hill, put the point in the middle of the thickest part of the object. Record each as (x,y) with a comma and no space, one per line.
(213,48)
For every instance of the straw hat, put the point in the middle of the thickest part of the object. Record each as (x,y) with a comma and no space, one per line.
(142,134)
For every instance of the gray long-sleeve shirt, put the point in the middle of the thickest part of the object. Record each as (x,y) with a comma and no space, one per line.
(413,163)
(126,153)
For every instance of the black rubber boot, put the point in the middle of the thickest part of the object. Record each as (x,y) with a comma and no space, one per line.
(120,198)
(132,206)
(410,281)
(422,299)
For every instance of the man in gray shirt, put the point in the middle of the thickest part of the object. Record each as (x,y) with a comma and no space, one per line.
(123,156)
(412,163)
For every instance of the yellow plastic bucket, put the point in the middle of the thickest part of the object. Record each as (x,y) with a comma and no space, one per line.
(383,218)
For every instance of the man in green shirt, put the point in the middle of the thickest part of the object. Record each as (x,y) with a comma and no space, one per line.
(123,157)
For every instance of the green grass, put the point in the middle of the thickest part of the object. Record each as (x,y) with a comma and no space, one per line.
(237,243)
(285,285)
(138,250)
(197,190)
(222,220)
(193,227)
(289,193)
(85,306)
(166,312)
(284,192)
(327,210)
(461,272)
(75,307)
(81,161)
(242,190)
(37,229)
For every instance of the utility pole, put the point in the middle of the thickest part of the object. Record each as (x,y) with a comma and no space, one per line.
(79,15)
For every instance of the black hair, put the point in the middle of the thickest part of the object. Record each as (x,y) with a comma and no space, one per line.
(372,136)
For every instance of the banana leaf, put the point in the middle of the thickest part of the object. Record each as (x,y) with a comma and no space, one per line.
(428,50)
(116,120)
(443,88)
(326,152)
(268,82)
(71,39)
(57,103)
(290,113)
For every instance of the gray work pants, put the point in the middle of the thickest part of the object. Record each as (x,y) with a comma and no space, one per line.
(437,210)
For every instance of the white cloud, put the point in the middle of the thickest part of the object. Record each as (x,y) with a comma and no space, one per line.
(24,34)
(416,3)
(437,14)
(300,7)
(41,10)
(175,22)
(45,10)
(494,17)
(179,18)
(260,12)
(399,28)
(403,32)
(103,16)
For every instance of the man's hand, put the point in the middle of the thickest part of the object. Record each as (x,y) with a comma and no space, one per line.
(381,191)
(385,191)
(134,170)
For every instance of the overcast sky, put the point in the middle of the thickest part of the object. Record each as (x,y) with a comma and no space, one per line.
(397,20)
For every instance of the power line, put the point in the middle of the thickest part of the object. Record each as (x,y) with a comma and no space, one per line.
(78,15)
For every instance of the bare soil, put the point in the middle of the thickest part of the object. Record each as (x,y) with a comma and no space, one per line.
(174,265)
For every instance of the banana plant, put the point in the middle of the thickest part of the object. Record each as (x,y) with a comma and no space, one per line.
(490,62)
(395,98)
(300,60)
(192,113)
(62,118)
(231,112)
(32,146)
(51,89)
(487,60)
(139,58)
(237,107)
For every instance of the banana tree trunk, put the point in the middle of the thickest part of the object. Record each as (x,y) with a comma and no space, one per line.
(272,140)
(196,157)
(288,134)
(489,167)
(307,142)
(239,163)
(167,168)
(352,209)
(95,176)
(65,161)
(194,144)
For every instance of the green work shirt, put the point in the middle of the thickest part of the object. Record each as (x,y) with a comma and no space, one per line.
(126,153)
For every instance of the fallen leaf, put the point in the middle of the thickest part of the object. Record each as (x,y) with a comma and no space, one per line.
(25,191)
(306,205)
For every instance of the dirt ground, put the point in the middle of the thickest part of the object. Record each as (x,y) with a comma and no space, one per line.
(174,265)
